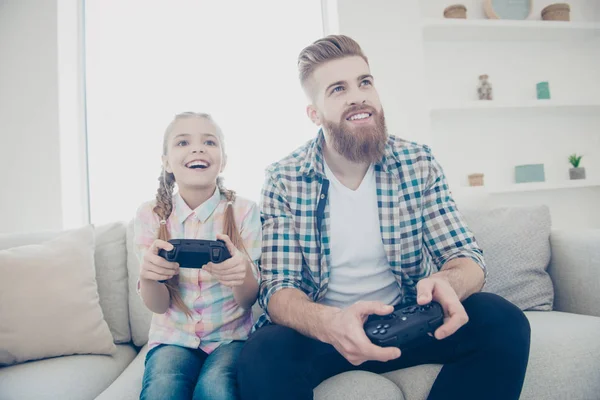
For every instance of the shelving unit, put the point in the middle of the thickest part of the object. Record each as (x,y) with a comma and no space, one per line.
(530,187)
(514,128)
(500,30)
(529,106)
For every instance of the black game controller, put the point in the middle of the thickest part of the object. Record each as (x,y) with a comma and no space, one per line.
(404,325)
(195,253)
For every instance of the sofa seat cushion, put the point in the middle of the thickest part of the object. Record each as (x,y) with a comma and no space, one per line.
(77,377)
(563,364)
(128,385)
(563,360)
(356,385)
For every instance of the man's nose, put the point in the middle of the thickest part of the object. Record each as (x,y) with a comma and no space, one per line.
(356,97)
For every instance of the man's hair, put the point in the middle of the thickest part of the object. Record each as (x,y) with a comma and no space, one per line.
(329,48)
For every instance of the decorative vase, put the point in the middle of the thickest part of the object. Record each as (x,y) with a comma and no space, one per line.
(484,90)
(543,91)
(577,173)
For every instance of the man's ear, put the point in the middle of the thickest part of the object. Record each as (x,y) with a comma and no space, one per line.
(313,114)
(166,165)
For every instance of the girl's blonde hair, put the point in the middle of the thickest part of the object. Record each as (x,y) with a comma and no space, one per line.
(164,205)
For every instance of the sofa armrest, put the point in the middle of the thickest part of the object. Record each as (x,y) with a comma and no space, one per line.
(575,271)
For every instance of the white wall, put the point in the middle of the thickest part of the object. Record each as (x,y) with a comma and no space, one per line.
(411,75)
(30,196)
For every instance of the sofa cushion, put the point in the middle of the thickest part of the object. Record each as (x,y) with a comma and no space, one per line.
(79,377)
(516,246)
(111,272)
(49,303)
(563,361)
(128,385)
(358,385)
(139,315)
(355,385)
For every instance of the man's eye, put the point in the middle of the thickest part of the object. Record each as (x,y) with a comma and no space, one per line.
(337,89)
(182,143)
(366,82)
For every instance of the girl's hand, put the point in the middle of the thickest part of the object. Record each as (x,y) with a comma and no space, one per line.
(231,272)
(156,268)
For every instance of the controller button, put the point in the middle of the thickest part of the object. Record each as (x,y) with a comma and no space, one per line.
(379,326)
(403,318)
(215,253)
(382,331)
(386,326)
(375,332)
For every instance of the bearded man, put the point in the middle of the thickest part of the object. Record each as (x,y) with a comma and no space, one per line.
(358,222)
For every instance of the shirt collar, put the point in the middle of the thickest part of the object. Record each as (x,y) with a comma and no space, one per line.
(182,211)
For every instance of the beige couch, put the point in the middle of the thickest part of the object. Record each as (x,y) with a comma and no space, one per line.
(565,350)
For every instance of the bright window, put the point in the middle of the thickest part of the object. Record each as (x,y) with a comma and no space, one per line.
(148,60)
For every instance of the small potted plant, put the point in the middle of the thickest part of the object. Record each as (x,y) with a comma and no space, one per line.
(576,172)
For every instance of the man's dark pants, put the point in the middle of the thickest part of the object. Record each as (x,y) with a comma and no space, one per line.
(485,359)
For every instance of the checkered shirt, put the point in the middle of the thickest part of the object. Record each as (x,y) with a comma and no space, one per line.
(421,227)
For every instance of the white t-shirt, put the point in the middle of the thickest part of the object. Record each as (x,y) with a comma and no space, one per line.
(359,268)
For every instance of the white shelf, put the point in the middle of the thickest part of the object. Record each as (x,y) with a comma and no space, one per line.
(550,106)
(502,30)
(531,187)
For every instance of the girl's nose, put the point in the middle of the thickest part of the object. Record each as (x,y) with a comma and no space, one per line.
(198,150)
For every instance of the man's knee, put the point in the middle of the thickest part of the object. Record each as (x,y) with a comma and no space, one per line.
(500,320)
(266,345)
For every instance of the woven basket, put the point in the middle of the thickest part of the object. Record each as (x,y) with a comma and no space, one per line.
(456,11)
(476,179)
(557,12)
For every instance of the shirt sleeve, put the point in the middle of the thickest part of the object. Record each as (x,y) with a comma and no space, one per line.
(145,232)
(251,234)
(446,234)
(281,260)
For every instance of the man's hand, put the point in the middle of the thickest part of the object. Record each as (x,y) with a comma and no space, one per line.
(439,289)
(347,335)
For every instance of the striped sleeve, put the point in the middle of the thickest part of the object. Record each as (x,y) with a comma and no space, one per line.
(281,260)
(445,233)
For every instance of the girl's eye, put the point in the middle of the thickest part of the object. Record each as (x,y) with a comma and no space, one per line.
(210,143)
(182,143)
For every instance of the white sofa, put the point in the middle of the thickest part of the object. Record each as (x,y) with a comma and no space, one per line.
(565,347)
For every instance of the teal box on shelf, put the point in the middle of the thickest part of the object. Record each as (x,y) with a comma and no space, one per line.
(543,91)
(530,173)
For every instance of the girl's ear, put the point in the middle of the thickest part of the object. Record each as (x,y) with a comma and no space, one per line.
(166,165)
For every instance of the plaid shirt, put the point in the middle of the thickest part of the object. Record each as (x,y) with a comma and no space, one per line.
(216,316)
(421,228)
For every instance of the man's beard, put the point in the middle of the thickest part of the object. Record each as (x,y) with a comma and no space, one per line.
(359,144)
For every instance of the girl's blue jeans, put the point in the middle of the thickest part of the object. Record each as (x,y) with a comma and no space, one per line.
(180,373)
